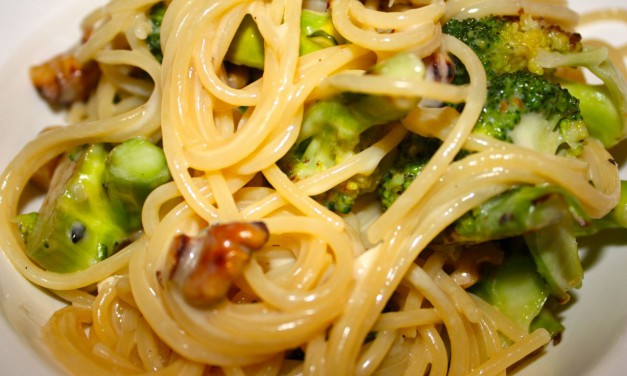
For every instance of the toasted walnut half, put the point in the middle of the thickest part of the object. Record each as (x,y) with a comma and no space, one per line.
(204,267)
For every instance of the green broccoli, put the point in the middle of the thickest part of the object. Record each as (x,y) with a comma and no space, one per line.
(134,168)
(316,32)
(414,153)
(524,44)
(517,290)
(155,15)
(94,204)
(506,44)
(615,219)
(512,213)
(247,46)
(531,111)
(528,110)
(555,250)
(340,126)
(600,112)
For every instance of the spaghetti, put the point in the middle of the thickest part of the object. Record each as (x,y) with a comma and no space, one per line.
(308,302)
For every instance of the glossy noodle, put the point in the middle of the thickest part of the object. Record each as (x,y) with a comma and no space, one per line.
(362,293)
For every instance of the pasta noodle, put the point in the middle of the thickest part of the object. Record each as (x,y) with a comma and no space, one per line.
(322,284)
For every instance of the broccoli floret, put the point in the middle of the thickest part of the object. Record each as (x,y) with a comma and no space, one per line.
(507,44)
(93,206)
(512,44)
(521,108)
(414,153)
(155,15)
(531,111)
(342,125)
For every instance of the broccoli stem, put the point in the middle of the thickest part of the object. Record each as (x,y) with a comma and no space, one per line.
(616,218)
(512,213)
(247,46)
(316,32)
(546,319)
(93,206)
(556,253)
(74,228)
(133,169)
(599,111)
(515,288)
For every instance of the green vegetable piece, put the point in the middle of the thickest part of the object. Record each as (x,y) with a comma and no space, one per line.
(616,218)
(512,213)
(509,44)
(614,90)
(602,117)
(94,204)
(556,253)
(414,153)
(546,319)
(340,126)
(155,15)
(134,168)
(618,215)
(74,228)
(247,47)
(515,288)
(616,86)
(528,110)
(317,32)
(26,224)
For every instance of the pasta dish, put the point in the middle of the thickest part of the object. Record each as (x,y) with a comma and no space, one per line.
(274,187)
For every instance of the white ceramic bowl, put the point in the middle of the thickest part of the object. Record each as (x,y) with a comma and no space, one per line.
(594,343)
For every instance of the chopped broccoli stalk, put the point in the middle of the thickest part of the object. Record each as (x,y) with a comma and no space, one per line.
(155,15)
(26,224)
(247,46)
(134,168)
(414,153)
(74,228)
(317,32)
(616,86)
(556,253)
(510,44)
(546,319)
(93,205)
(602,117)
(512,213)
(616,218)
(515,288)
(340,126)
(618,215)
(528,110)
